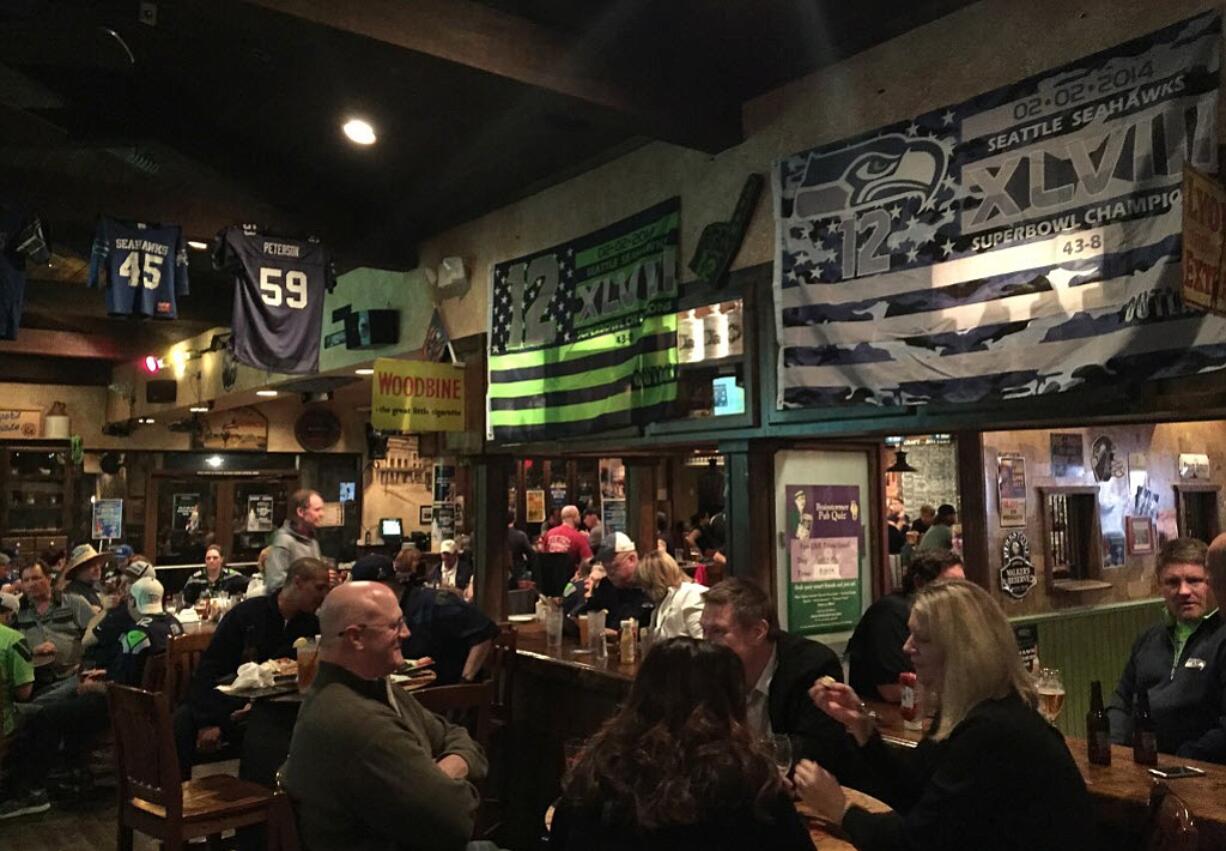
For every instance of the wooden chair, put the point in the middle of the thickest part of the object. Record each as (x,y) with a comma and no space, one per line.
(473,706)
(154,677)
(183,654)
(282,825)
(152,799)
(1171,826)
(500,665)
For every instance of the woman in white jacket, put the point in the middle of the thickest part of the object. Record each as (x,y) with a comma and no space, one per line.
(678,600)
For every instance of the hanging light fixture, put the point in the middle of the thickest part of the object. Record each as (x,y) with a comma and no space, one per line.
(900,464)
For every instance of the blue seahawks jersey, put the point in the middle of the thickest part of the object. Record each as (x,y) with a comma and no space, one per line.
(21,238)
(279,286)
(143,268)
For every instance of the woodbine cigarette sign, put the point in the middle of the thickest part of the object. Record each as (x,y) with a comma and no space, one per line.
(414,396)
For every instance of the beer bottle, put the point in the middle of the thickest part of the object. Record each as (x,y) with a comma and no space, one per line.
(1098,729)
(1144,736)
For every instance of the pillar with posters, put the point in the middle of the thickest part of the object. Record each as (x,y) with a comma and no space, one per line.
(824,536)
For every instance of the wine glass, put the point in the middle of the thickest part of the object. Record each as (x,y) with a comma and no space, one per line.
(781,751)
(1051,694)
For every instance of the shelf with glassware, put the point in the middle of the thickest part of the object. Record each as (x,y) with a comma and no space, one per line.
(36,481)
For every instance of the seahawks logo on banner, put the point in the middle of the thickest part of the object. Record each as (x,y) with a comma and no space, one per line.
(583,336)
(1026,241)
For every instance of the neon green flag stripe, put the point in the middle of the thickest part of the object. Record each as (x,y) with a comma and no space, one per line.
(581,380)
(585,411)
(572,351)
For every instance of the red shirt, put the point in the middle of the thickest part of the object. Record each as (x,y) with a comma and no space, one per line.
(565,539)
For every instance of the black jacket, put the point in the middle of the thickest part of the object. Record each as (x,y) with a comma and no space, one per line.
(444,627)
(874,652)
(252,631)
(1002,780)
(1187,697)
(814,734)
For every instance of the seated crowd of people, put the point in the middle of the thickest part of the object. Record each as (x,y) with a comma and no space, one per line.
(686,762)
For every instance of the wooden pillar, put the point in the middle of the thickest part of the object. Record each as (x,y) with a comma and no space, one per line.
(491,474)
(749,503)
(642,482)
(972,489)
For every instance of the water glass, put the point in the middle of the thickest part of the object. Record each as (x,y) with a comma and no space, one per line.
(781,751)
(553,627)
(595,628)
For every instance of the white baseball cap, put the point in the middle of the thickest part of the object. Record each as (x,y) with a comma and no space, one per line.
(147,594)
(622,543)
(447,546)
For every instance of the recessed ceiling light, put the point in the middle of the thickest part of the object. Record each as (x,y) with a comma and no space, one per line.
(266,392)
(199,409)
(214,461)
(197,245)
(364,371)
(359,132)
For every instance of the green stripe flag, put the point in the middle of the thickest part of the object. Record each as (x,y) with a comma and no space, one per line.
(583,336)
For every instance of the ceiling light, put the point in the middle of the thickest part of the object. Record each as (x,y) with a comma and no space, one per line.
(266,392)
(364,371)
(213,461)
(152,364)
(197,245)
(146,421)
(359,132)
(199,409)
(900,464)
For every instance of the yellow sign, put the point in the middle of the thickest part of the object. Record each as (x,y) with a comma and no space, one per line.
(415,396)
(1204,229)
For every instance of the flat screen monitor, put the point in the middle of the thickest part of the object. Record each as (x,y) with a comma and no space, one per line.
(390,527)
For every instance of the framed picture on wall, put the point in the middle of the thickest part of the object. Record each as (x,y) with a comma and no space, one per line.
(1140,535)
(425,514)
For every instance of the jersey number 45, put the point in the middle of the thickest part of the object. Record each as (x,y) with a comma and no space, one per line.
(150,276)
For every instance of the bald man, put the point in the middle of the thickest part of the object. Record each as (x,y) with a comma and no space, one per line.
(368,768)
(566,538)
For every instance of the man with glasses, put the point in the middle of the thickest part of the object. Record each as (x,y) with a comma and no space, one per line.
(368,767)
(1180,663)
(255,630)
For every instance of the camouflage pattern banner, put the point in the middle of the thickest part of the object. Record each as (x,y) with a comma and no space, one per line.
(1026,241)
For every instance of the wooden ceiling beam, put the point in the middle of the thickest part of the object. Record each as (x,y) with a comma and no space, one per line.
(489,40)
(65,344)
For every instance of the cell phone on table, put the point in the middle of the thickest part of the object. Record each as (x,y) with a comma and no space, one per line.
(1174,772)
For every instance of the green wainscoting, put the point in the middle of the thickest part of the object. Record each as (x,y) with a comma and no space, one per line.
(1090,644)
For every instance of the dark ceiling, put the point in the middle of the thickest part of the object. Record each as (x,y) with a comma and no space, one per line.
(211,112)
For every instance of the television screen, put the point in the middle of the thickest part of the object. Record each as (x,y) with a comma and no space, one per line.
(389,527)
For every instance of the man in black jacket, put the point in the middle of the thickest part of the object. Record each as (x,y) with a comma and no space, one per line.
(780,668)
(255,630)
(1181,663)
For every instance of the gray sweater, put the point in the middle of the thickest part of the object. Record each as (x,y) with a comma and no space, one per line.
(362,774)
(287,547)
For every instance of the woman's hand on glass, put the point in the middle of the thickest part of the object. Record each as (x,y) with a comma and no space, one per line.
(840,702)
(820,791)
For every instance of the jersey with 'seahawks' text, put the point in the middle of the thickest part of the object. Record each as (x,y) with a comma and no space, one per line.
(279,286)
(143,268)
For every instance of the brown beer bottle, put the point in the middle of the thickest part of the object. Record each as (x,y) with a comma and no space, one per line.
(1098,728)
(1144,735)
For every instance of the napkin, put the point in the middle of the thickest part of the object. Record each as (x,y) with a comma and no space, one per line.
(252,676)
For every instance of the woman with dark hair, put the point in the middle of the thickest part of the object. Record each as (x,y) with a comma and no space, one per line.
(677,767)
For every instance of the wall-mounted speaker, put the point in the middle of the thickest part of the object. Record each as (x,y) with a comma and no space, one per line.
(160,391)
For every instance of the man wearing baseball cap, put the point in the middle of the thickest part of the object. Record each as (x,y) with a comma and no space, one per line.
(454,572)
(101,642)
(16,664)
(617,593)
(83,573)
(150,632)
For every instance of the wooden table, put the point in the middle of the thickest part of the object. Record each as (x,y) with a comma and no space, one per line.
(1121,790)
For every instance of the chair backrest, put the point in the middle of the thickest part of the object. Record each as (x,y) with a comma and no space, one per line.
(154,676)
(183,654)
(500,665)
(471,703)
(146,763)
(521,601)
(552,572)
(1171,827)
(282,824)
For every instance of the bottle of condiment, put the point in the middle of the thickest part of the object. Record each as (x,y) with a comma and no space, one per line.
(1144,735)
(909,708)
(1098,728)
(629,640)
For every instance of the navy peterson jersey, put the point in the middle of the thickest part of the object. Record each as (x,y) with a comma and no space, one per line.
(143,268)
(279,286)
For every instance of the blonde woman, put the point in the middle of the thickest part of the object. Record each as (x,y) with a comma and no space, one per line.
(678,600)
(991,774)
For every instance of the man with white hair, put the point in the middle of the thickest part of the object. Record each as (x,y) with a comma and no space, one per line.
(369,769)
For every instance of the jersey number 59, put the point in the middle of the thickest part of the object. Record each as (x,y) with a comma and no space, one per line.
(293,293)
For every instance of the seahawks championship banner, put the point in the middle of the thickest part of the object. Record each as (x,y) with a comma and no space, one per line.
(1024,242)
(583,336)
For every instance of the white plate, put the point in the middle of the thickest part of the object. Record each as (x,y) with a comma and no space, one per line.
(521,618)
